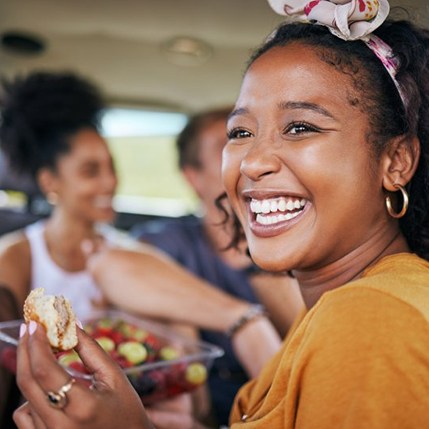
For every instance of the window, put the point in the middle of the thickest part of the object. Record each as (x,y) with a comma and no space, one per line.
(143,146)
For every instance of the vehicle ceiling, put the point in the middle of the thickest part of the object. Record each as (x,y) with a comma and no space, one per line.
(118,43)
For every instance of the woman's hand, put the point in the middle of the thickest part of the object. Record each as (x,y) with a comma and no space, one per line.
(110,403)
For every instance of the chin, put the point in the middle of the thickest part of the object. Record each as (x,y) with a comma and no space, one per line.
(270,264)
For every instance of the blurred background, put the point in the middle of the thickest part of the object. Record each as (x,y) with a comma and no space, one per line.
(156,61)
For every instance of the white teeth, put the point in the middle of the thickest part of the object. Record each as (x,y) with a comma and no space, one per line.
(290,205)
(266,206)
(285,208)
(274,205)
(270,220)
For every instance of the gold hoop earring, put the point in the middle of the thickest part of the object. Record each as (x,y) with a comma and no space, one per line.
(405,201)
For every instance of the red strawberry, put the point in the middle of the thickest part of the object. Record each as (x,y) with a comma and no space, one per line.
(79,367)
(8,359)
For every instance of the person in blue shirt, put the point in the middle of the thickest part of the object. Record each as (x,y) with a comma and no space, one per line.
(199,243)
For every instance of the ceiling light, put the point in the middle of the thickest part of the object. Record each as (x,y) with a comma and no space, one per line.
(187,51)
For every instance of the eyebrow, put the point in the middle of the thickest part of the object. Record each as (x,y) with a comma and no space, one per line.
(289,105)
(237,112)
(306,106)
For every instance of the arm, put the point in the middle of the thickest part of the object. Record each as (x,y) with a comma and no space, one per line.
(13,288)
(15,267)
(144,283)
(9,395)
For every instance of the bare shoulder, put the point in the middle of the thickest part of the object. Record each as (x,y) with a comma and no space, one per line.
(15,241)
(15,264)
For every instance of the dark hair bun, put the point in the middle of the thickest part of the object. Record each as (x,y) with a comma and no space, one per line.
(38,114)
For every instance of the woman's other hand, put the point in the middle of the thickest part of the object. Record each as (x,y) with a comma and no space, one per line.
(110,403)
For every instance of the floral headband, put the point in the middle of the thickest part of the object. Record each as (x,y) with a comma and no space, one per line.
(348,20)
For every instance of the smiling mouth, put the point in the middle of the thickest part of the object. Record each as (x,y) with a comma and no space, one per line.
(103,202)
(275,210)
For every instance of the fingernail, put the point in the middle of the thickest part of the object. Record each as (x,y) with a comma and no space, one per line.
(79,323)
(22,330)
(32,326)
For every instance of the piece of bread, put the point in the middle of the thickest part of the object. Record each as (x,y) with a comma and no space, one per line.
(55,314)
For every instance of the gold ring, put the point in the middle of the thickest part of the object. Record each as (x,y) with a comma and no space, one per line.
(59,399)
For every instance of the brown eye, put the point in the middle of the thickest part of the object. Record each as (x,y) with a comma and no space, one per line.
(238,133)
(300,128)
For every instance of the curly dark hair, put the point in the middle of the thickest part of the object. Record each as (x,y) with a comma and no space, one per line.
(40,112)
(378,94)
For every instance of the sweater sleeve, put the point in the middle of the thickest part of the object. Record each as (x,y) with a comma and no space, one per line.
(364,364)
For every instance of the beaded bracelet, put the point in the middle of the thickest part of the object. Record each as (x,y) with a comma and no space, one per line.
(254,311)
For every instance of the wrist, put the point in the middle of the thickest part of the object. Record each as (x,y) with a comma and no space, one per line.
(255,343)
(251,313)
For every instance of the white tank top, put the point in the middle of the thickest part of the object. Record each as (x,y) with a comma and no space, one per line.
(78,287)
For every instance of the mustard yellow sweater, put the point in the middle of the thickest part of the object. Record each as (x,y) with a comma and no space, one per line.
(358,359)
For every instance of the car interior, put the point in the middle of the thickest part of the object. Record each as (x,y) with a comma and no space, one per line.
(156,62)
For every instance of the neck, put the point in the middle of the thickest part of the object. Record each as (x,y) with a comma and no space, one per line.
(314,283)
(69,228)
(64,235)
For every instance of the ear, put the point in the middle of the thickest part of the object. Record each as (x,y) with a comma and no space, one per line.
(192,175)
(46,180)
(400,161)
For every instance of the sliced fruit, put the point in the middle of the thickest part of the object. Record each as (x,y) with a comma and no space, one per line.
(8,358)
(68,358)
(139,335)
(168,353)
(106,343)
(196,373)
(133,351)
(79,367)
(152,342)
(105,323)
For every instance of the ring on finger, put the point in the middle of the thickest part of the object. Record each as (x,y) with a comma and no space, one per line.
(59,399)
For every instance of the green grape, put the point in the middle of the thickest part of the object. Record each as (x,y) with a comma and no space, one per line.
(106,343)
(133,351)
(67,358)
(196,373)
(168,353)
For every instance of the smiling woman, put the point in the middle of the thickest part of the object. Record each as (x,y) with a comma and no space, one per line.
(50,132)
(333,116)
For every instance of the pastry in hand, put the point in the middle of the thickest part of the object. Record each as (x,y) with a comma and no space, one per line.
(56,315)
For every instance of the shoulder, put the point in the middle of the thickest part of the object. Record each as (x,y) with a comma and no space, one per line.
(363,321)
(14,243)
(362,346)
(15,264)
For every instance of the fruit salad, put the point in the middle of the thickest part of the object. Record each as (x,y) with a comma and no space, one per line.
(159,363)
(135,348)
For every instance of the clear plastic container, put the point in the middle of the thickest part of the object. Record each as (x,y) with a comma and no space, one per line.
(158,362)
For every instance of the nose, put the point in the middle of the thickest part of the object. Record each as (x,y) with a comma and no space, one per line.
(260,160)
